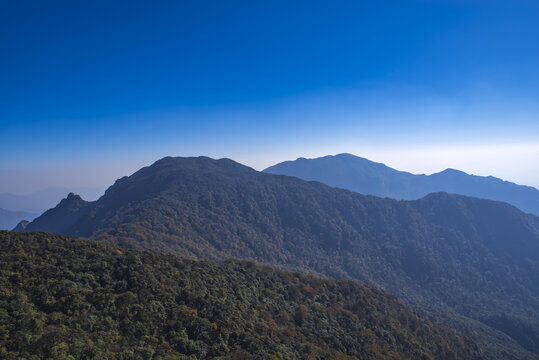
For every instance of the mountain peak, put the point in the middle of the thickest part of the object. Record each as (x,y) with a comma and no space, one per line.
(451,171)
(73,197)
(196,163)
(348,156)
(59,218)
(21,226)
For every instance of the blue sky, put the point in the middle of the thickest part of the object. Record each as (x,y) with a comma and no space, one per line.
(92,90)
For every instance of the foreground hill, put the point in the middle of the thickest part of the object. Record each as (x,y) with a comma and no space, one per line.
(63,297)
(366,177)
(472,264)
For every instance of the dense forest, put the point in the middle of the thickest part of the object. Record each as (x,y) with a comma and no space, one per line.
(472,264)
(65,298)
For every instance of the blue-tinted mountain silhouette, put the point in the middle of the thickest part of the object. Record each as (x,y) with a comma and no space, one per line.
(39,201)
(357,174)
(9,219)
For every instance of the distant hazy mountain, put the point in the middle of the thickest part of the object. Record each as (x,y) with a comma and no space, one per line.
(366,177)
(40,201)
(77,299)
(10,219)
(470,263)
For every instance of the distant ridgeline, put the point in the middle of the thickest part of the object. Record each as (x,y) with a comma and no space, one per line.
(471,264)
(9,219)
(366,177)
(65,298)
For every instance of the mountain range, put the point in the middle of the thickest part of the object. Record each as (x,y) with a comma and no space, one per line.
(472,264)
(73,298)
(357,174)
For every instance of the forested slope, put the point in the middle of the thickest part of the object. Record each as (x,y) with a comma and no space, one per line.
(62,296)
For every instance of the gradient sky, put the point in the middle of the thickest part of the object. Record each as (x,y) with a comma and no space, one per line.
(92,90)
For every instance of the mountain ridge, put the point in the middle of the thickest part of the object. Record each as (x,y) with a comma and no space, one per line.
(39,201)
(367,177)
(9,218)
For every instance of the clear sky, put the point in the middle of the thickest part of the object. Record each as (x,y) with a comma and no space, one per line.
(93,90)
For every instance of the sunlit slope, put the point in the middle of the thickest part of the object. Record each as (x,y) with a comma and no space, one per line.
(62,297)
